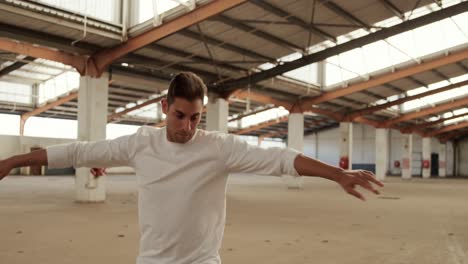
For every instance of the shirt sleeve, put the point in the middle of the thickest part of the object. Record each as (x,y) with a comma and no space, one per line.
(105,153)
(239,156)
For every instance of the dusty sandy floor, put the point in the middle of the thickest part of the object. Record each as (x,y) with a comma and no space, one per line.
(417,221)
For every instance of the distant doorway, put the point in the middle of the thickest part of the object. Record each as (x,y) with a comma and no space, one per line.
(434,164)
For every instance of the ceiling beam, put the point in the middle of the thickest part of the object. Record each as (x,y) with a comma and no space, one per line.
(293,19)
(321,129)
(128,110)
(262,125)
(160,65)
(426,111)
(430,124)
(218,43)
(266,99)
(389,77)
(44,108)
(47,40)
(105,57)
(51,105)
(281,133)
(239,83)
(77,62)
(343,13)
(256,32)
(393,8)
(262,98)
(376,108)
(15,66)
(254,112)
(447,129)
(452,135)
(194,57)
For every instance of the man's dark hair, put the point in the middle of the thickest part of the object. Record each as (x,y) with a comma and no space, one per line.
(186,85)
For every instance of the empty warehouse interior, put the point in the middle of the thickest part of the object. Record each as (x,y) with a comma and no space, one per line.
(374,85)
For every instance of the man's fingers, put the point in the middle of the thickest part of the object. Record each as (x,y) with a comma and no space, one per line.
(97,172)
(371,177)
(366,185)
(355,193)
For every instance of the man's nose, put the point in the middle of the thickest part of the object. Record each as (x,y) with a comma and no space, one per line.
(187,125)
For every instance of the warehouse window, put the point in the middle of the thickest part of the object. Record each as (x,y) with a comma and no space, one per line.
(405,47)
(147,9)
(59,85)
(15,93)
(102,9)
(10,124)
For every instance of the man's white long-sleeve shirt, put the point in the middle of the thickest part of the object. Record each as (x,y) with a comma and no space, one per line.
(181,187)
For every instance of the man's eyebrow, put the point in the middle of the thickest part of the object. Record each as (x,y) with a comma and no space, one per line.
(182,113)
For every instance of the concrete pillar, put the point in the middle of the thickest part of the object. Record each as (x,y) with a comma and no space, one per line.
(443,160)
(407,159)
(92,121)
(217,110)
(426,156)
(449,161)
(346,145)
(381,153)
(296,142)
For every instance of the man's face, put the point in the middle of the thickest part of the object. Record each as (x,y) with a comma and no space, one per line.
(182,118)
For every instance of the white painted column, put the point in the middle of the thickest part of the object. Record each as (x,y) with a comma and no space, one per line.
(346,145)
(296,142)
(92,121)
(449,162)
(407,159)
(217,110)
(381,153)
(443,160)
(426,156)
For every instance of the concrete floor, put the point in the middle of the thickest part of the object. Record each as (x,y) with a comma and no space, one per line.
(416,221)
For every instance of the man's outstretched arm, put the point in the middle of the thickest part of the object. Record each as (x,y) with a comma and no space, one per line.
(348,179)
(35,158)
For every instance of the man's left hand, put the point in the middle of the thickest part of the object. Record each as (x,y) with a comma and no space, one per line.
(351,178)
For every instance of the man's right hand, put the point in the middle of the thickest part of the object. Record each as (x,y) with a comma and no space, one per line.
(98,172)
(5,168)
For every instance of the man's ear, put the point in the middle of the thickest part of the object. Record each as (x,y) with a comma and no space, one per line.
(164,106)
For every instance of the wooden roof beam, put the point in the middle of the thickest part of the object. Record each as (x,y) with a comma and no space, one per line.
(105,57)
(389,77)
(447,129)
(452,135)
(393,8)
(126,111)
(231,85)
(262,125)
(44,108)
(293,19)
(78,62)
(426,111)
(376,108)
(243,115)
(430,124)
(259,33)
